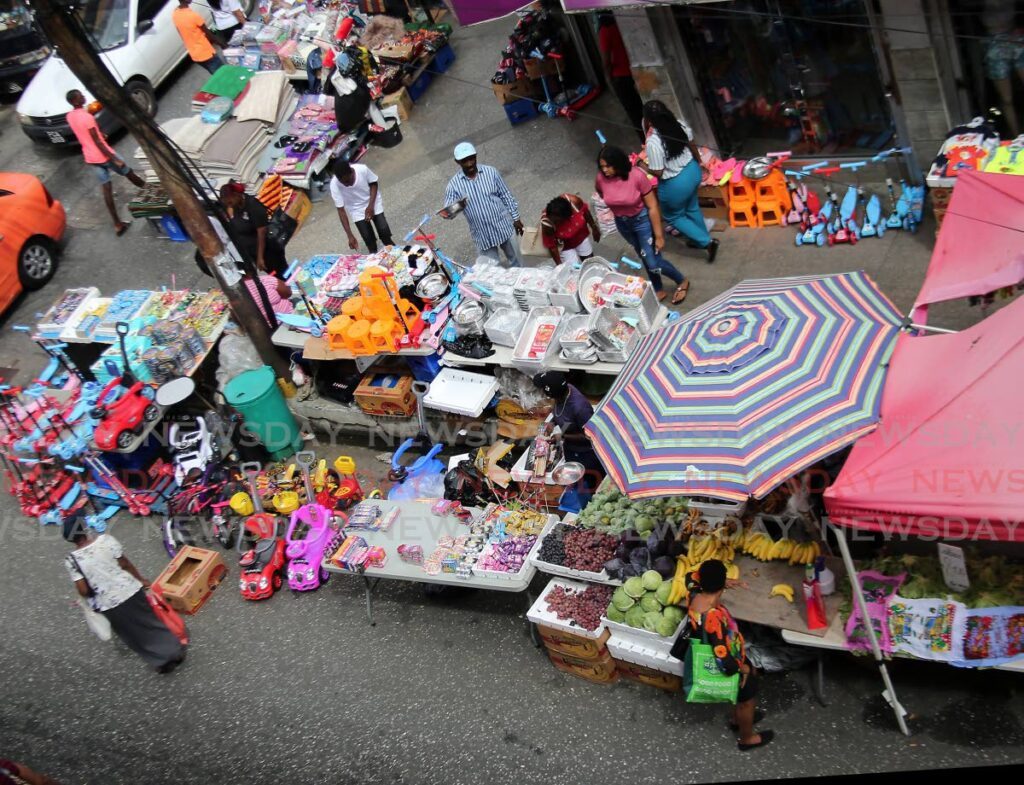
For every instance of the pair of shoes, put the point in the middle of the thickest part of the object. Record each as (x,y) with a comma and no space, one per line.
(759,715)
(712,250)
(766,738)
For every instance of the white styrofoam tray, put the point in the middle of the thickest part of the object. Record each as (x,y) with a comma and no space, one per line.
(628,651)
(539,613)
(567,572)
(514,576)
(461,392)
(643,638)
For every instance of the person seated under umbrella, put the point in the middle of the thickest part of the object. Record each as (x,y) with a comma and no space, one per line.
(571,412)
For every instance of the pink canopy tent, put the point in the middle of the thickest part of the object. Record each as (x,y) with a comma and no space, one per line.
(946,458)
(981,244)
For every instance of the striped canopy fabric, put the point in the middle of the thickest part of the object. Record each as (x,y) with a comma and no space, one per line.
(748,389)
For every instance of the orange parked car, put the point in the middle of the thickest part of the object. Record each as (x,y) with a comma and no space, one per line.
(32,225)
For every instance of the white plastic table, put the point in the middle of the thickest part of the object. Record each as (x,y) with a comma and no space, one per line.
(417,525)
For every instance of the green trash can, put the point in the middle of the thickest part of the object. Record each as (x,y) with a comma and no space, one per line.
(257,396)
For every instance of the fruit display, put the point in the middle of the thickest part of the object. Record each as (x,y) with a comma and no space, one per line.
(762,547)
(582,608)
(645,602)
(612,512)
(577,548)
(639,552)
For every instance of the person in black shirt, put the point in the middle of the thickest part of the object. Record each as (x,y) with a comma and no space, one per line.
(247,223)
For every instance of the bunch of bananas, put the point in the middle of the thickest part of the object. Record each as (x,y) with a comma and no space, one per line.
(782,590)
(700,549)
(764,548)
(678,591)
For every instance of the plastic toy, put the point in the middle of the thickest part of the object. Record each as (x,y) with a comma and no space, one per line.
(123,419)
(263,564)
(843,228)
(309,535)
(193,449)
(813,226)
(873,225)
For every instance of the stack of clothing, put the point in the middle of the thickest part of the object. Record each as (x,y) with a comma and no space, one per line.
(311,131)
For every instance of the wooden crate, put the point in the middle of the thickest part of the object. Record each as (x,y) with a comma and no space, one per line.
(598,671)
(513,91)
(575,646)
(652,678)
(191,577)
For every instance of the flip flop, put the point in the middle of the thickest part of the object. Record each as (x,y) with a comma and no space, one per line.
(766,738)
(759,715)
(681,291)
(121,228)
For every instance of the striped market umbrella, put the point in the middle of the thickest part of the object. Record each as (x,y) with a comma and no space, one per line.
(748,389)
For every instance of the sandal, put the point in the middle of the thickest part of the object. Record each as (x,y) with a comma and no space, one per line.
(661,295)
(121,228)
(766,738)
(759,715)
(681,291)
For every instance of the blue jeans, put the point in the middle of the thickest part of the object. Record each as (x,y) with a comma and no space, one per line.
(636,230)
(511,250)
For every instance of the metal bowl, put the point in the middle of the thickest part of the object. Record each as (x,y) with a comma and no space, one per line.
(568,473)
(453,209)
(433,286)
(469,317)
(757,168)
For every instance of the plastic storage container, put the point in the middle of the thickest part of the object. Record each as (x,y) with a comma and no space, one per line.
(256,395)
(505,325)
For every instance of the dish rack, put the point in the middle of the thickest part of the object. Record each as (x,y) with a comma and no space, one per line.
(526,356)
(565,288)
(505,325)
(615,338)
(645,307)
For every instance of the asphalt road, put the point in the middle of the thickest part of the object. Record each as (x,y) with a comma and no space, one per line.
(303,689)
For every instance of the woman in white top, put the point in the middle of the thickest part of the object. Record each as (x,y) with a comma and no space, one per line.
(228,16)
(113,587)
(673,158)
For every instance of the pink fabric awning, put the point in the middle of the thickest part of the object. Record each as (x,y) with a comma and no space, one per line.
(947,457)
(981,243)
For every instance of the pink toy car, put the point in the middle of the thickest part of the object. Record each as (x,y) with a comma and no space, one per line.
(308,540)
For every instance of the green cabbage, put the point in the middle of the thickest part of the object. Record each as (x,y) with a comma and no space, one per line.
(634,587)
(666,627)
(650,603)
(662,592)
(635,616)
(651,580)
(615,614)
(651,621)
(622,601)
(673,612)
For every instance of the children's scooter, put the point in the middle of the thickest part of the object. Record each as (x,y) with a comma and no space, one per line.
(873,225)
(894,220)
(309,534)
(812,230)
(844,227)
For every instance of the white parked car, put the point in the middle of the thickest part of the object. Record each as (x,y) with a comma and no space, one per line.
(141,47)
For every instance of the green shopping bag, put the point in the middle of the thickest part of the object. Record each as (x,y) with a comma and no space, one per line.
(703,681)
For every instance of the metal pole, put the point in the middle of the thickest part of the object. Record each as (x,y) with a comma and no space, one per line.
(858,597)
(65,34)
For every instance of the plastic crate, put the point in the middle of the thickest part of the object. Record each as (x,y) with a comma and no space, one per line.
(419,85)
(443,59)
(424,369)
(521,110)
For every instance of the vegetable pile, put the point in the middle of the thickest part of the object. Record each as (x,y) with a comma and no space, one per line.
(583,608)
(642,602)
(637,552)
(995,581)
(612,512)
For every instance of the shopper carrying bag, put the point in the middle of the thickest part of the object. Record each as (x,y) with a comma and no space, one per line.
(717,669)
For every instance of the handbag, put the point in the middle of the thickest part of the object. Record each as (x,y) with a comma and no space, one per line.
(170,617)
(96,621)
(703,681)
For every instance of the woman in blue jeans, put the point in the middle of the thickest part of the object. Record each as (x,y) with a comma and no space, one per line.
(630,195)
(673,158)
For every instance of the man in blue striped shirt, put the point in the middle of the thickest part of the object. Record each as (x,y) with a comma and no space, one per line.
(491,210)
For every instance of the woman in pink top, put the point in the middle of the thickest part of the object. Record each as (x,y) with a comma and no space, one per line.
(630,195)
(277,291)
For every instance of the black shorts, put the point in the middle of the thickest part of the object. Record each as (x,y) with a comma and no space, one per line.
(749,690)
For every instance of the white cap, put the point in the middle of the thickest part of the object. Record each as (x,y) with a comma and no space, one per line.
(464,150)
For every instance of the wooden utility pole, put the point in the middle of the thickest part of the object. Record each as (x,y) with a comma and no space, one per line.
(66,34)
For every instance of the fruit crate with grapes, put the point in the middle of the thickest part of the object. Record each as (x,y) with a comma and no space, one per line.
(553,553)
(543,614)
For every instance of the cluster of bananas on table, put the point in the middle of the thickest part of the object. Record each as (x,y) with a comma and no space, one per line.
(764,548)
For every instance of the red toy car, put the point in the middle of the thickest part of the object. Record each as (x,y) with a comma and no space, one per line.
(125,417)
(262,565)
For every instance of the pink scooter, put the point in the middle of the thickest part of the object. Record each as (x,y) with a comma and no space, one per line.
(310,534)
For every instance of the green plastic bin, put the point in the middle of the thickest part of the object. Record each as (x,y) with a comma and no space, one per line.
(257,396)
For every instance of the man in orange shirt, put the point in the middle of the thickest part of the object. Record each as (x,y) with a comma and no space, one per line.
(99,154)
(198,39)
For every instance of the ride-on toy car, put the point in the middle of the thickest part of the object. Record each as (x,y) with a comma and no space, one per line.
(263,564)
(309,535)
(125,417)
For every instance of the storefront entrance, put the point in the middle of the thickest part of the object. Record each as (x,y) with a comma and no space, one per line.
(775,75)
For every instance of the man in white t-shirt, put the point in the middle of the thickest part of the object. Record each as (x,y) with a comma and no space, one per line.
(355,193)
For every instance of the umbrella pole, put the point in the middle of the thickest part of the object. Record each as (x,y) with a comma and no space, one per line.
(858,597)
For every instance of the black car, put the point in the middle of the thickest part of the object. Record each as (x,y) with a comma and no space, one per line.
(22,47)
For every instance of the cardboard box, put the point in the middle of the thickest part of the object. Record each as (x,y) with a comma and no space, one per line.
(513,91)
(599,671)
(714,203)
(569,645)
(536,68)
(191,577)
(401,101)
(395,51)
(386,395)
(299,208)
(652,678)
